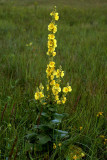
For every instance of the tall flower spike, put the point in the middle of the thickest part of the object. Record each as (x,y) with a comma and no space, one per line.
(54,92)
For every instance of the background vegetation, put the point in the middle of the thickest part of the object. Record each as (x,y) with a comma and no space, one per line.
(82,48)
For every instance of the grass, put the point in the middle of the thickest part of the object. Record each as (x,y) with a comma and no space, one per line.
(82,48)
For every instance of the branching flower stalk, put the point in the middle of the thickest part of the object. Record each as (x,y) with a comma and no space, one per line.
(55,95)
(46,132)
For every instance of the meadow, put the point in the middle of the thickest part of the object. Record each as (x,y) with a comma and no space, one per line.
(82,53)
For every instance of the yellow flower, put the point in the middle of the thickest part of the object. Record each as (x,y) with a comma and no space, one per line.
(62,74)
(51,49)
(55,29)
(58,102)
(52,64)
(30,44)
(52,13)
(82,154)
(102,136)
(41,94)
(51,36)
(58,73)
(54,72)
(50,43)
(51,26)
(56,97)
(75,157)
(52,77)
(81,128)
(52,82)
(100,114)
(47,87)
(64,100)
(56,86)
(37,95)
(41,86)
(59,144)
(69,89)
(44,103)
(54,91)
(54,146)
(54,54)
(56,16)
(48,53)
(65,90)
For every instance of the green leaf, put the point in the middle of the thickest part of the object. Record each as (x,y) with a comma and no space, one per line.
(56,121)
(44,114)
(32,137)
(43,139)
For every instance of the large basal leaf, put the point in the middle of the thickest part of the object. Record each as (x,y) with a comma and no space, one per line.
(56,121)
(60,134)
(43,139)
(44,114)
(31,137)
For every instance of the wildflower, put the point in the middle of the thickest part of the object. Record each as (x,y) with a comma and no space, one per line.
(82,154)
(105,141)
(81,128)
(41,87)
(47,87)
(52,64)
(30,44)
(99,114)
(51,36)
(54,146)
(56,97)
(37,95)
(62,74)
(102,136)
(55,29)
(69,89)
(58,102)
(64,100)
(41,94)
(58,73)
(56,16)
(44,103)
(75,157)
(50,49)
(59,144)
(54,54)
(56,85)
(52,77)
(65,90)
(51,26)
(52,82)
(52,13)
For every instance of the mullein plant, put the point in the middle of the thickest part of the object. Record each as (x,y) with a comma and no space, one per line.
(45,134)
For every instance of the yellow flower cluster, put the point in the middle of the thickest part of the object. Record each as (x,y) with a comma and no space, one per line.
(39,94)
(53,75)
(54,145)
(99,114)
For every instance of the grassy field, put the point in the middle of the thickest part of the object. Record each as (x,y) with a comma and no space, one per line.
(82,52)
